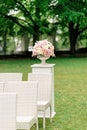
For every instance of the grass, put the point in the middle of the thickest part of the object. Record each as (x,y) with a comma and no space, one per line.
(70,90)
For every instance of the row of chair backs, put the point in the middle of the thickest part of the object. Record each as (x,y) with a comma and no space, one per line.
(26,104)
(10,77)
(26,96)
(37,88)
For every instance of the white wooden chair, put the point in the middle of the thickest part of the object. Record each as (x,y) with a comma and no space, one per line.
(7,111)
(44,92)
(26,102)
(10,77)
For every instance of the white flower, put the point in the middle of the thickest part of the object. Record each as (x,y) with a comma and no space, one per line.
(43,48)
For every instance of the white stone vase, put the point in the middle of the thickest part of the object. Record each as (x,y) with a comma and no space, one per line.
(43,59)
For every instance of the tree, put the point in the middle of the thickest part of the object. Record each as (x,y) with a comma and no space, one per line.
(6,28)
(73,13)
(31,15)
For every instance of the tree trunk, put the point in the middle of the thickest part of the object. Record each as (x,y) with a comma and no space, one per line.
(37,23)
(4,41)
(24,43)
(54,39)
(73,35)
(36,34)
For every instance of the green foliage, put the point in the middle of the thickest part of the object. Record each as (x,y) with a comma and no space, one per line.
(71,14)
(34,17)
(71,10)
(30,13)
(6,6)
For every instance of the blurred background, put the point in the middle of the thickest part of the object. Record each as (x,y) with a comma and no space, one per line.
(62,22)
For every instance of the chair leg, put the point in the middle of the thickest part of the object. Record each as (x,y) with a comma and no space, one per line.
(50,113)
(37,125)
(44,120)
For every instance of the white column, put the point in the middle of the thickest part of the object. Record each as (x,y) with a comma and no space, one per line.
(41,69)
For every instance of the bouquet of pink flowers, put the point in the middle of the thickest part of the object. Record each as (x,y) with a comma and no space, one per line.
(43,48)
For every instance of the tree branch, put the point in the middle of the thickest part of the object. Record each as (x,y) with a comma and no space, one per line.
(25,10)
(15,19)
(82,30)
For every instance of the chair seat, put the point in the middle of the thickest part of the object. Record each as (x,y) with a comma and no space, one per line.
(42,105)
(24,122)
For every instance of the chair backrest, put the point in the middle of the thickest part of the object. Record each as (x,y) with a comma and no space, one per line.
(7,111)
(44,85)
(1,87)
(26,96)
(10,77)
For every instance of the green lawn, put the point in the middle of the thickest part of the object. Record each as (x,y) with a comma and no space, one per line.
(70,90)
